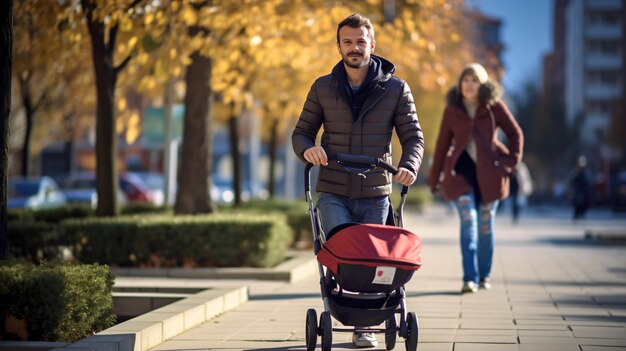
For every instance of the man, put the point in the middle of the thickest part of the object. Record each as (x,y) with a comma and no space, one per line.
(358,103)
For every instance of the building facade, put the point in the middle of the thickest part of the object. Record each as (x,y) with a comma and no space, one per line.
(487,44)
(593,60)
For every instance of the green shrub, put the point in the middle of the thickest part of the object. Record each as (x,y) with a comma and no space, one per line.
(223,240)
(34,241)
(58,214)
(57,302)
(20,214)
(297,213)
(144,208)
(77,211)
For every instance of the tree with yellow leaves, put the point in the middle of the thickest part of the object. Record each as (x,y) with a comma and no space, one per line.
(114,29)
(49,71)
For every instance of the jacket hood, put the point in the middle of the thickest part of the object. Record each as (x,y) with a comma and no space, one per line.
(488,94)
(386,69)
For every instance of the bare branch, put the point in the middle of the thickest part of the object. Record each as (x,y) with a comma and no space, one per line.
(133,4)
(115,28)
(124,63)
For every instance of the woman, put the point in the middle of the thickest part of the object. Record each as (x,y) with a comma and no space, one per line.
(471,167)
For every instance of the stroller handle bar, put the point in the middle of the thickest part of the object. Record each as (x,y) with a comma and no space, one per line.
(356,164)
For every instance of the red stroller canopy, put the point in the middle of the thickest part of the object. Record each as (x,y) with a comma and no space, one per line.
(372,245)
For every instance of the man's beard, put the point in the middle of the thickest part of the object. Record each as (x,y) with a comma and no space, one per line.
(364,62)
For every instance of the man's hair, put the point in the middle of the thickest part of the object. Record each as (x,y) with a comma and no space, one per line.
(356,20)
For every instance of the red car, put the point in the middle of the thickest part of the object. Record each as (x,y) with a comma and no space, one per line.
(133,188)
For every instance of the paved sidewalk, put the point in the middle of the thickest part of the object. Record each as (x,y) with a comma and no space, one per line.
(553,290)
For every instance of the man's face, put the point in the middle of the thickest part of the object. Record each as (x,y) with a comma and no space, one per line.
(355,46)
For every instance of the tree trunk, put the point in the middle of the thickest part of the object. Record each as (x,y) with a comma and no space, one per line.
(106,148)
(194,175)
(235,155)
(273,150)
(6,33)
(29,111)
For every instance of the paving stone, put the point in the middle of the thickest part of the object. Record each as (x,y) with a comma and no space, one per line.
(599,332)
(602,348)
(547,333)
(491,332)
(550,347)
(484,347)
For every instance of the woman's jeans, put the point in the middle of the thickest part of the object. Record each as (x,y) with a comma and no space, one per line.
(335,210)
(476,236)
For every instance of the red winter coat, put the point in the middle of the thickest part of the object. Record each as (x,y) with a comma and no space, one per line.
(495,162)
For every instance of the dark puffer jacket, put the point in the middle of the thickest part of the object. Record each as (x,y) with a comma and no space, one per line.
(495,162)
(388,105)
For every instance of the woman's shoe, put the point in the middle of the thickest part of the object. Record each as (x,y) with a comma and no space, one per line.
(485,284)
(469,287)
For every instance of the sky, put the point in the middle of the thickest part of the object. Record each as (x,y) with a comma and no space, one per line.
(527,36)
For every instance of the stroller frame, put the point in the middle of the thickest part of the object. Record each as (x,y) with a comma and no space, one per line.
(408,327)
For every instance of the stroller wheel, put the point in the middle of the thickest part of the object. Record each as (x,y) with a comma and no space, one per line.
(413,331)
(391,332)
(311,329)
(326,331)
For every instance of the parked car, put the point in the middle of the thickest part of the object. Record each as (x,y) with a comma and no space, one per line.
(135,189)
(156,183)
(80,188)
(34,193)
(222,189)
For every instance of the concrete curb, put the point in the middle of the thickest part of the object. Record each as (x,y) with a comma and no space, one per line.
(300,264)
(606,235)
(150,329)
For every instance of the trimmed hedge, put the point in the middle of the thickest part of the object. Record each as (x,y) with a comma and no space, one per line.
(62,303)
(35,241)
(297,213)
(51,215)
(69,211)
(222,240)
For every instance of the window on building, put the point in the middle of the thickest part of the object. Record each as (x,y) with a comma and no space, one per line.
(598,106)
(490,33)
(603,77)
(603,17)
(603,47)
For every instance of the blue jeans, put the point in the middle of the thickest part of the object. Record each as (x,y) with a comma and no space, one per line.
(476,236)
(335,210)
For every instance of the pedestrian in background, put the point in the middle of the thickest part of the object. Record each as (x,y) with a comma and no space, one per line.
(579,189)
(359,104)
(471,167)
(521,187)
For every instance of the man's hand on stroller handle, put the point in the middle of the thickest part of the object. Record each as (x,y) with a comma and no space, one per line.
(316,155)
(404,177)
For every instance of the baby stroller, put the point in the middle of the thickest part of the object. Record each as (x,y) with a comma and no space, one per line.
(363,269)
